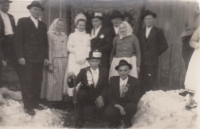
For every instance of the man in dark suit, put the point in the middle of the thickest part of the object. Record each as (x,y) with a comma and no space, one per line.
(101,39)
(152,43)
(7,29)
(31,48)
(93,89)
(123,96)
(116,19)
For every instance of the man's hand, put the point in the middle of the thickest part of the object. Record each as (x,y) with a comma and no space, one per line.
(121,109)
(22,61)
(51,68)
(46,62)
(4,63)
(99,101)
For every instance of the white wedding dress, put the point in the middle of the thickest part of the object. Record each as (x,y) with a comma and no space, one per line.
(79,48)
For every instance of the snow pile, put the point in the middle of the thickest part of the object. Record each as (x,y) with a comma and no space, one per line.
(164,110)
(12,113)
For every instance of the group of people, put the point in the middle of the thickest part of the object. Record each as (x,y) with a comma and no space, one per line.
(102,68)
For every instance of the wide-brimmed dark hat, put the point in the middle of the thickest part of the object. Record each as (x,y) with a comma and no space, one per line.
(5,1)
(122,63)
(148,12)
(115,14)
(37,4)
(94,55)
(97,14)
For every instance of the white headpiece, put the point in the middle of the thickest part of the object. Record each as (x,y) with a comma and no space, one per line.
(79,16)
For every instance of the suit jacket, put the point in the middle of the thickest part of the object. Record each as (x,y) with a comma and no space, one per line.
(131,96)
(103,44)
(102,84)
(152,47)
(30,42)
(112,31)
(2,32)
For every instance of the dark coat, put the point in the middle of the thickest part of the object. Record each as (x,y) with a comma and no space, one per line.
(104,45)
(2,32)
(112,31)
(101,87)
(131,96)
(30,42)
(152,47)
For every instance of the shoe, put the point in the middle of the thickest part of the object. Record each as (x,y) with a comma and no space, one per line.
(39,108)
(30,112)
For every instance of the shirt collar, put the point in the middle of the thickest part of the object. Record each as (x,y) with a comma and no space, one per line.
(2,13)
(97,70)
(33,19)
(98,28)
(125,80)
(149,27)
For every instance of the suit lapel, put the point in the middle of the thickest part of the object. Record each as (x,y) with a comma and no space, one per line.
(143,35)
(100,32)
(32,24)
(100,76)
(151,35)
(117,87)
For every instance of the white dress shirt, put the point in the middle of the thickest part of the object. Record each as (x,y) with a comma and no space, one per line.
(95,31)
(148,29)
(95,75)
(35,21)
(7,23)
(116,30)
(122,84)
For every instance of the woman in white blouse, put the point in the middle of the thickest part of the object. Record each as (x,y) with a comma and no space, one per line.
(78,47)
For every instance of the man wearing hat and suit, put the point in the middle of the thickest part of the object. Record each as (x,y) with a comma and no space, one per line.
(123,96)
(152,43)
(93,88)
(101,39)
(116,19)
(7,29)
(31,48)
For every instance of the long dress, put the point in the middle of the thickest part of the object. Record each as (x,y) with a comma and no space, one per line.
(79,48)
(53,89)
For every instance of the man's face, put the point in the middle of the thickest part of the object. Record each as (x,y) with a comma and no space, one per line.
(35,12)
(5,7)
(116,21)
(123,71)
(149,20)
(94,63)
(96,22)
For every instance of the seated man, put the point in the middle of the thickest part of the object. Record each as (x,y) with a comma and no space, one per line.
(93,86)
(123,96)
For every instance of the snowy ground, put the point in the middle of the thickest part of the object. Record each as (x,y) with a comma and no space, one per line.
(156,110)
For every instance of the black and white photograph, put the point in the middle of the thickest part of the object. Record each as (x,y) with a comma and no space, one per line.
(100,64)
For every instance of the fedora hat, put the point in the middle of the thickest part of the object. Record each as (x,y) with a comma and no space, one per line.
(115,14)
(122,63)
(5,1)
(37,4)
(148,12)
(97,15)
(94,55)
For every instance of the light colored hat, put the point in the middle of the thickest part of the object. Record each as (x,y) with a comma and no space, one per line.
(79,16)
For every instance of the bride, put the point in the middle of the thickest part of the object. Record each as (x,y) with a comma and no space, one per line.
(78,47)
(192,80)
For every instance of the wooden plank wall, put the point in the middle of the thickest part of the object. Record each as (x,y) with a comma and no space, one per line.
(171,16)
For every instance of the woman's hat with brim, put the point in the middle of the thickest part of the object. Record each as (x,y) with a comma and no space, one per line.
(122,63)
(5,1)
(116,14)
(148,12)
(97,15)
(36,4)
(94,55)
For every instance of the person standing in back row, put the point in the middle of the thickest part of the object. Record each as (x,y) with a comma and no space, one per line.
(101,39)
(31,45)
(152,43)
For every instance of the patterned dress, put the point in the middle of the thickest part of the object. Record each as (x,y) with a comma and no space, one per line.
(58,57)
